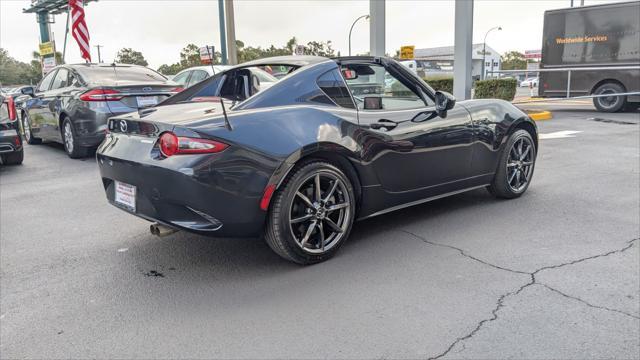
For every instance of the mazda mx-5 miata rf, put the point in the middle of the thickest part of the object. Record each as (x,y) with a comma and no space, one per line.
(334,141)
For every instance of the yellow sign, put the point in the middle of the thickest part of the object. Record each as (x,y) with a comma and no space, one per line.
(406,52)
(47,48)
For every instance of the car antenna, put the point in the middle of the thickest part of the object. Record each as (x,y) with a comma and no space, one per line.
(227,124)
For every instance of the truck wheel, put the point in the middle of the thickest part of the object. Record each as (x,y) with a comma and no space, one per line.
(609,104)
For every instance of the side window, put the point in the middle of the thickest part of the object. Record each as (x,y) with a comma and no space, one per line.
(61,80)
(374,88)
(333,85)
(182,78)
(44,84)
(197,76)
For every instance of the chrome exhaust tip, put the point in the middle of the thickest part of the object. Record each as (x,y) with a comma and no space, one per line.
(161,230)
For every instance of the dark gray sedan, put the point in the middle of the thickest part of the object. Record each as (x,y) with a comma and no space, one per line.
(72,103)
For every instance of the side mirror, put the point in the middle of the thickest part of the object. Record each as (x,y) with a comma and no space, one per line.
(444,102)
(28,91)
(349,74)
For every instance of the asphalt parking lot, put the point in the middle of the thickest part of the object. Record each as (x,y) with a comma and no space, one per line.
(554,274)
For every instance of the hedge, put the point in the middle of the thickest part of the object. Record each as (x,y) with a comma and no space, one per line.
(504,89)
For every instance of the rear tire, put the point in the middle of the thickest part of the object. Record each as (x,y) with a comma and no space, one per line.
(515,167)
(307,226)
(609,104)
(70,141)
(14,158)
(28,134)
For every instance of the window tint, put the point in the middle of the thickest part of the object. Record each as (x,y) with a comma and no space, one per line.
(44,84)
(382,90)
(181,78)
(61,80)
(197,76)
(332,84)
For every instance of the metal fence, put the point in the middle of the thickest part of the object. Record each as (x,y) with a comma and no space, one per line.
(569,71)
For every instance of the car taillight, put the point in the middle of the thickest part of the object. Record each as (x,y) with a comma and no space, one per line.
(171,144)
(12,109)
(178,89)
(101,95)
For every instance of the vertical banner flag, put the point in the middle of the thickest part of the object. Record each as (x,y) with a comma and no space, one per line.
(79,28)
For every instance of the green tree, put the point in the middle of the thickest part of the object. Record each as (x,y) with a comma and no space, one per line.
(190,56)
(319,48)
(130,56)
(513,60)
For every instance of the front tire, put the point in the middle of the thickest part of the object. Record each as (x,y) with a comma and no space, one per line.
(70,141)
(609,104)
(14,158)
(515,167)
(28,134)
(312,214)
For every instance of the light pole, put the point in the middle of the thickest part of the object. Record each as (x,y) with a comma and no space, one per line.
(350,30)
(484,48)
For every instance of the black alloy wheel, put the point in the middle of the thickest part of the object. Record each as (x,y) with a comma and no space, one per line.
(516,166)
(312,214)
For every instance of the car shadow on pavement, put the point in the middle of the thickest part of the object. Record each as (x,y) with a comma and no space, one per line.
(213,259)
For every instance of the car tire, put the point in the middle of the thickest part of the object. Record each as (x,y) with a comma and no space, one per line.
(305,226)
(515,166)
(609,104)
(70,140)
(28,134)
(14,158)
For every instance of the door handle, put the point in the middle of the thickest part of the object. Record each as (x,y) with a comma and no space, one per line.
(384,124)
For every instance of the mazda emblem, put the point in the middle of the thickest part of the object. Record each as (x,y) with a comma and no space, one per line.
(146,89)
(123,126)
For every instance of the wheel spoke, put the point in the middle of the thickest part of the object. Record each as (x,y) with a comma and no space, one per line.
(307,235)
(333,225)
(527,163)
(524,154)
(524,177)
(321,228)
(517,178)
(513,174)
(304,199)
(337,206)
(301,219)
(318,190)
(512,164)
(332,190)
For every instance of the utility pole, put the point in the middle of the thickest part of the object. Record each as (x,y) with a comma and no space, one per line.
(99,58)
(223,36)
(232,52)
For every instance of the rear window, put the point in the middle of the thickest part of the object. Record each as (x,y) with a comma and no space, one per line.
(119,73)
(4,110)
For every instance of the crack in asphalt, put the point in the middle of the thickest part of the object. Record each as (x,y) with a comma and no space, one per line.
(532,281)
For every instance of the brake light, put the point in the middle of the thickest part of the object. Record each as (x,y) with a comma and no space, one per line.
(178,89)
(12,109)
(171,144)
(101,95)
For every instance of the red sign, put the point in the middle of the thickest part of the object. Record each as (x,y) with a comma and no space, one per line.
(533,54)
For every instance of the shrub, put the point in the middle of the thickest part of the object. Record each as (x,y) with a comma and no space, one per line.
(504,89)
(442,84)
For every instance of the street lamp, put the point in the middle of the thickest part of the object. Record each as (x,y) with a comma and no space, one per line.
(350,30)
(484,48)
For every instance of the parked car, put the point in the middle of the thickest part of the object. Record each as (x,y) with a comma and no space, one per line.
(72,103)
(529,82)
(191,76)
(300,161)
(11,151)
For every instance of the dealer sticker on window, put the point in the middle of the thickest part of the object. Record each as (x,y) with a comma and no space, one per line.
(125,195)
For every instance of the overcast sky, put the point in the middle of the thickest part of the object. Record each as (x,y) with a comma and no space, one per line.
(159,29)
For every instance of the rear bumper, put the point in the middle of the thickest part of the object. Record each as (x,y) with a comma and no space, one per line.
(10,141)
(215,195)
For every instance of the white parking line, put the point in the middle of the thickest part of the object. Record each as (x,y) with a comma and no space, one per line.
(558,134)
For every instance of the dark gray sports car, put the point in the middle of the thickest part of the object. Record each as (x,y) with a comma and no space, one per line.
(300,161)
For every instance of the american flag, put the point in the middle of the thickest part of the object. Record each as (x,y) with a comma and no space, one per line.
(79,28)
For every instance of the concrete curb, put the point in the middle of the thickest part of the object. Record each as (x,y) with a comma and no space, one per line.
(540,115)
